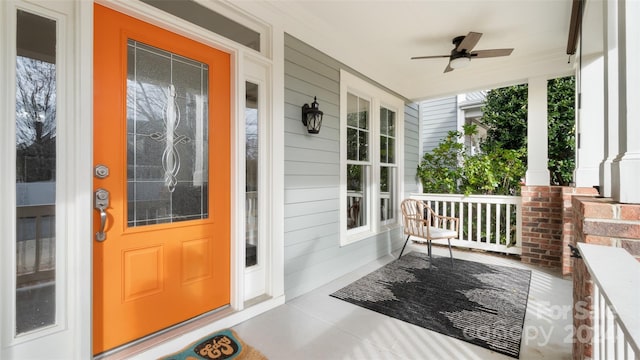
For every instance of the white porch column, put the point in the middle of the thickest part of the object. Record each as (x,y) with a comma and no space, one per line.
(537,142)
(626,166)
(589,149)
(590,113)
(610,95)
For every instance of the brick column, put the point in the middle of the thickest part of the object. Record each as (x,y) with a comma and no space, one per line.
(567,223)
(600,221)
(542,226)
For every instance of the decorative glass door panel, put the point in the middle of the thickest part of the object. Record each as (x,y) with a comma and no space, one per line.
(167,141)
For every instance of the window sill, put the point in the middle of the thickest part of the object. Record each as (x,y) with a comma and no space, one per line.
(367,234)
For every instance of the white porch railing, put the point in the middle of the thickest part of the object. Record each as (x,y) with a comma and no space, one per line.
(251,214)
(616,297)
(35,247)
(487,222)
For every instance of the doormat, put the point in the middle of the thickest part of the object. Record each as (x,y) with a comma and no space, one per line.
(478,303)
(222,345)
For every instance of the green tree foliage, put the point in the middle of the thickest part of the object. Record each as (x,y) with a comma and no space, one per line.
(501,163)
(439,170)
(562,142)
(450,169)
(505,112)
(495,173)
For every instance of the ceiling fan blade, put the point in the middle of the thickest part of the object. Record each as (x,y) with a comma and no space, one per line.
(448,68)
(491,53)
(469,41)
(429,57)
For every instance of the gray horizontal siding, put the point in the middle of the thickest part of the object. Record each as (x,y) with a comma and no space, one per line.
(439,116)
(312,251)
(411,148)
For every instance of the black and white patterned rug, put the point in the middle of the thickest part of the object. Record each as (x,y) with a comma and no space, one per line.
(478,303)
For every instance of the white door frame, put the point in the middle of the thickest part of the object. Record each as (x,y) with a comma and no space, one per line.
(70,335)
(255,279)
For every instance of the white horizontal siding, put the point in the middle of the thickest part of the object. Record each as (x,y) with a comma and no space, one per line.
(313,255)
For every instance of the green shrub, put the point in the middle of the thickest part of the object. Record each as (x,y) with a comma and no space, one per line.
(448,169)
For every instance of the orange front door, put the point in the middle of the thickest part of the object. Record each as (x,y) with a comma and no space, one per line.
(161,146)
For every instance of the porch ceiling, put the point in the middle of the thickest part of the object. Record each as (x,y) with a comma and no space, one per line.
(378,38)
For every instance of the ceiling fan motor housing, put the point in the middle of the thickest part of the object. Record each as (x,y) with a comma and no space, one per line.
(459,54)
(458,39)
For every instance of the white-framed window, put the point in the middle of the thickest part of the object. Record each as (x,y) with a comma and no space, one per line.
(371,136)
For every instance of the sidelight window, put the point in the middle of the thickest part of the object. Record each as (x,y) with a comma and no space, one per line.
(36,142)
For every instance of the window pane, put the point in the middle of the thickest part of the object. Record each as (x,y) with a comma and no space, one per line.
(363,145)
(357,128)
(363,109)
(35,172)
(252,159)
(352,144)
(384,125)
(383,149)
(356,195)
(167,136)
(387,198)
(352,110)
(391,151)
(387,136)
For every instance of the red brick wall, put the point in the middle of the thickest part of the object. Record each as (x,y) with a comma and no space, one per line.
(604,222)
(542,225)
(567,223)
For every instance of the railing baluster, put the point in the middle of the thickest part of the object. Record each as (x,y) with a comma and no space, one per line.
(619,342)
(609,336)
(595,321)
(488,223)
(498,206)
(469,221)
(507,224)
(603,327)
(461,225)
(478,222)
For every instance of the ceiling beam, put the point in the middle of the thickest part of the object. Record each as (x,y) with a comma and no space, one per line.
(574,26)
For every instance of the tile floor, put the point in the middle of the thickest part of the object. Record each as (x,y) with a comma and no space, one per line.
(317,326)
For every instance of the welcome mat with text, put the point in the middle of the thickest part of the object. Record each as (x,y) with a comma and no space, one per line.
(478,303)
(222,345)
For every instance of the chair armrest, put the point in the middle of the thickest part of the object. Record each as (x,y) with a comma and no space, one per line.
(439,220)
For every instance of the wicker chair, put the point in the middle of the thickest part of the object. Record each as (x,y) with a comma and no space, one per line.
(421,222)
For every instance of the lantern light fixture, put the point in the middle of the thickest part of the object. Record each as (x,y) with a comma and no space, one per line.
(312,117)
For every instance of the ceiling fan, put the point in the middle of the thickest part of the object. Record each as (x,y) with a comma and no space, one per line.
(461,54)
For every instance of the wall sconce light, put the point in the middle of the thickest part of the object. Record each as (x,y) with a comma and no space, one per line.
(312,117)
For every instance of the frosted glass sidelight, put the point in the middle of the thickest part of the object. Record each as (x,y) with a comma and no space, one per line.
(252,173)
(36,94)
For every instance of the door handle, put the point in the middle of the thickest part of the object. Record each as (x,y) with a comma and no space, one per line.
(101,203)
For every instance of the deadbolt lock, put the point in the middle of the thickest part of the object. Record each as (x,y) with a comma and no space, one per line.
(101,171)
